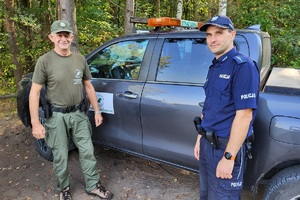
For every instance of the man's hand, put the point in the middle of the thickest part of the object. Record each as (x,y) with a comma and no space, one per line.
(38,130)
(98,119)
(197,148)
(224,169)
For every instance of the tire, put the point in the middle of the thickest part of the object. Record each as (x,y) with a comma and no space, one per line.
(40,144)
(43,149)
(284,185)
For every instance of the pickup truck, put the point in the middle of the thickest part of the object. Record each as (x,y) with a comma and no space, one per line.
(150,87)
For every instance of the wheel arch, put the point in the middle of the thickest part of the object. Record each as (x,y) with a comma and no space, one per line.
(281,166)
(284,184)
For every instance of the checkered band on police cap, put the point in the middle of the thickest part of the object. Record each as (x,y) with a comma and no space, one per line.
(220,21)
(61,26)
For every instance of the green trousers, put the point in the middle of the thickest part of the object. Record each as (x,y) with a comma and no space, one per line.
(59,128)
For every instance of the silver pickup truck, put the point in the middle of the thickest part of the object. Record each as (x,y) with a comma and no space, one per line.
(150,87)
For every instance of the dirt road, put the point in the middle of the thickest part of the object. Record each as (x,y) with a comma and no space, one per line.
(27,176)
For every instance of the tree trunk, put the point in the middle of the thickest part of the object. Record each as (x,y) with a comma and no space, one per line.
(67,11)
(129,12)
(158,7)
(179,9)
(27,40)
(14,48)
(222,7)
(196,16)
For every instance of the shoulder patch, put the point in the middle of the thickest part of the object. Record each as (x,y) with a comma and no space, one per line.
(240,59)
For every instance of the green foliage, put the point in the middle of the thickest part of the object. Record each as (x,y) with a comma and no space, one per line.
(7,78)
(95,25)
(280,18)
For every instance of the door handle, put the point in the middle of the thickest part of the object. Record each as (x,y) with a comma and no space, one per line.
(127,95)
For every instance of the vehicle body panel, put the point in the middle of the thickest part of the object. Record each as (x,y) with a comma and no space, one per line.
(269,151)
(167,115)
(123,128)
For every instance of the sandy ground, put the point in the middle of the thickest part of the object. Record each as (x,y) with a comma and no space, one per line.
(24,175)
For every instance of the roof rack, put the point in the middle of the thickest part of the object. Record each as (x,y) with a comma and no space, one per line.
(160,22)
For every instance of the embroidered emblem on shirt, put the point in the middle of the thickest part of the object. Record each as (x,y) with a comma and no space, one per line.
(248,96)
(224,76)
(77,79)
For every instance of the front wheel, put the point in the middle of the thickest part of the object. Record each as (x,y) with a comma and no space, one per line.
(43,149)
(40,144)
(284,185)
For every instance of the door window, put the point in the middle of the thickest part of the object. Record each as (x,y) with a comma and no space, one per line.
(184,60)
(119,61)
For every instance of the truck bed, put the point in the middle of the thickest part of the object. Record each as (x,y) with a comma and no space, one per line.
(284,81)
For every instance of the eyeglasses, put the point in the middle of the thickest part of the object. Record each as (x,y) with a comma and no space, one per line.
(63,34)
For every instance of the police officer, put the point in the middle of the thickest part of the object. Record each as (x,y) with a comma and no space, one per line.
(232,89)
(65,74)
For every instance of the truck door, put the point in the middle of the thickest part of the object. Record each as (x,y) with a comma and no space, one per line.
(118,72)
(172,96)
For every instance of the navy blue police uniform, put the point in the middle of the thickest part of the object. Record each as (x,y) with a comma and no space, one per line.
(232,84)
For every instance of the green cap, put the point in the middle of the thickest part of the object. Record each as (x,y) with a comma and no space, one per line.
(61,26)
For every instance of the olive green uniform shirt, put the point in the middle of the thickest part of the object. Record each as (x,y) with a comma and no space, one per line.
(62,77)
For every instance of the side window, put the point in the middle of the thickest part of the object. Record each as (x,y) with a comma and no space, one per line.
(119,61)
(184,60)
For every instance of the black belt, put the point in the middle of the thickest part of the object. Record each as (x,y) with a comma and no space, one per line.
(215,141)
(67,109)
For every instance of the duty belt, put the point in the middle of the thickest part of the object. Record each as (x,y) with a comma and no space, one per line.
(215,141)
(48,108)
(67,109)
(210,136)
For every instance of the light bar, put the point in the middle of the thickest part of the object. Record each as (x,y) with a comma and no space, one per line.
(163,21)
(167,21)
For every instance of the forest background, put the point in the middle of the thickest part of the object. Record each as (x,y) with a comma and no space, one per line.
(98,21)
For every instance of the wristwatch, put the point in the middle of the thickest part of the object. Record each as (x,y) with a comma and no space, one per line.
(229,156)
